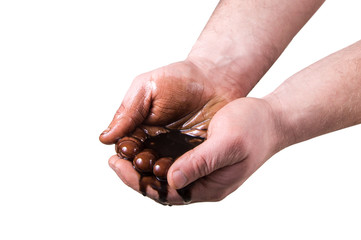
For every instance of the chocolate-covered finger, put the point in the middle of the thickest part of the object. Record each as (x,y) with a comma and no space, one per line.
(131,113)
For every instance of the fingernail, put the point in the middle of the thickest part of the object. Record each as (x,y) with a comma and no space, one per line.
(179,179)
(105,131)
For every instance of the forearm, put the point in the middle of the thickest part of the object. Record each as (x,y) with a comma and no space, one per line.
(322,98)
(244,38)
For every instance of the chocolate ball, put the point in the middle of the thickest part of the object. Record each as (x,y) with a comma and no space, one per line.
(151,151)
(139,134)
(128,148)
(144,161)
(161,167)
(137,141)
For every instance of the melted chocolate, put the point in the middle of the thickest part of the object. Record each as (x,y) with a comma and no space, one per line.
(160,186)
(185,193)
(170,144)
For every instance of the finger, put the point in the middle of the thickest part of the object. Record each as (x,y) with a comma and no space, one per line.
(147,185)
(131,113)
(213,187)
(125,171)
(211,155)
(220,183)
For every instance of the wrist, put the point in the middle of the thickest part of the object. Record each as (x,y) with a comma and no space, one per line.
(242,65)
(284,134)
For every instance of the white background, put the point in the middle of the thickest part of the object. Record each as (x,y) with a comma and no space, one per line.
(64,69)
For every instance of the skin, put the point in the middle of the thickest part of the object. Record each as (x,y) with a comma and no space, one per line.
(322,98)
(292,113)
(239,44)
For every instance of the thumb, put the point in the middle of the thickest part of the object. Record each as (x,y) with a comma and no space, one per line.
(199,162)
(131,113)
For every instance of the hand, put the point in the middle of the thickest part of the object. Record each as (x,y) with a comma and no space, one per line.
(241,137)
(180,96)
(236,48)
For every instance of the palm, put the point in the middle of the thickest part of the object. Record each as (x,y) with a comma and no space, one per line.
(179,96)
(183,98)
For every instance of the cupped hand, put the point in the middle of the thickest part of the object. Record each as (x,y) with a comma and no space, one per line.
(183,96)
(241,137)
(179,96)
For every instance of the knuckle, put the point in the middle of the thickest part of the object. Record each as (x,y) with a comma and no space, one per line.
(201,165)
(141,79)
(236,150)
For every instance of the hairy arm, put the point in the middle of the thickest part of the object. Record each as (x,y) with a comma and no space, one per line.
(244,38)
(322,98)
(238,45)
(245,133)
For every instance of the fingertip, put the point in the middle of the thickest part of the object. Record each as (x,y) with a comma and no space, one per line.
(177,179)
(176,174)
(125,171)
(193,165)
(112,161)
(106,138)
(117,131)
